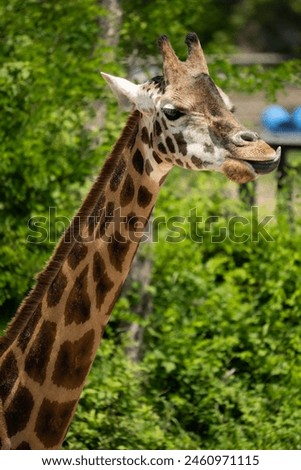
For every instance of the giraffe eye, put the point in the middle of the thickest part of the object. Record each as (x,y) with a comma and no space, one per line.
(172,113)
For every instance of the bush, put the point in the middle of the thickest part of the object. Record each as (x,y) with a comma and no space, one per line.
(49,75)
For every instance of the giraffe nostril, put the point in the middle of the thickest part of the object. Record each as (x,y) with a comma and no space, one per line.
(244,138)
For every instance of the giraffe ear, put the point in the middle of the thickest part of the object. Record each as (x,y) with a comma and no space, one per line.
(129,94)
(226,99)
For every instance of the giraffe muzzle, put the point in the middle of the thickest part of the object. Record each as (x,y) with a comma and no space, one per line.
(265,167)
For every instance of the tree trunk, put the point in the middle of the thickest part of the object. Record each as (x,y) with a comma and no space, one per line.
(110,24)
(140,273)
(140,276)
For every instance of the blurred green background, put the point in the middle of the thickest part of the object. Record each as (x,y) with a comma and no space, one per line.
(217,362)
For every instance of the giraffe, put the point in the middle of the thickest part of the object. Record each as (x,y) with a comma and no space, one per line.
(178,119)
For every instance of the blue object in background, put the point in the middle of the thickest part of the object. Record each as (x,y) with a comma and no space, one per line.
(276,118)
(296,119)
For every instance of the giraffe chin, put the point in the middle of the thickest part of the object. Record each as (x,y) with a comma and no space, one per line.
(238,171)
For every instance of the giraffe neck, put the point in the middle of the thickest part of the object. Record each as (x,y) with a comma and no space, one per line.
(52,341)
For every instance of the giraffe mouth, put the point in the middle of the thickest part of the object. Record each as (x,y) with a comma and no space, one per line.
(242,170)
(265,167)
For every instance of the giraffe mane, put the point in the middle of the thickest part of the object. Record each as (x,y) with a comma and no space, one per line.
(159,80)
(46,277)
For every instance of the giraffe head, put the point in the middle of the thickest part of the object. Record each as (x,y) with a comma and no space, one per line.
(190,119)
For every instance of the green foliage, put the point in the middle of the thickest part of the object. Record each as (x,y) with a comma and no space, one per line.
(209,18)
(49,64)
(227,353)
(268,25)
(254,78)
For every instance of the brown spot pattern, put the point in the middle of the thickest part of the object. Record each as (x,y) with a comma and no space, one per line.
(182,146)
(23,446)
(18,411)
(116,296)
(144,196)
(73,361)
(39,354)
(27,332)
(103,282)
(179,162)
(162,180)
(220,131)
(78,305)
(77,254)
(164,123)
(8,375)
(208,148)
(197,161)
(170,144)
(117,175)
(107,218)
(110,210)
(53,418)
(215,138)
(93,218)
(91,222)
(161,148)
(118,249)
(148,167)
(127,192)
(156,157)
(145,136)
(138,162)
(56,289)
(158,129)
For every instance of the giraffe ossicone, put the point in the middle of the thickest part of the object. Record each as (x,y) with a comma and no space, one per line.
(180,118)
